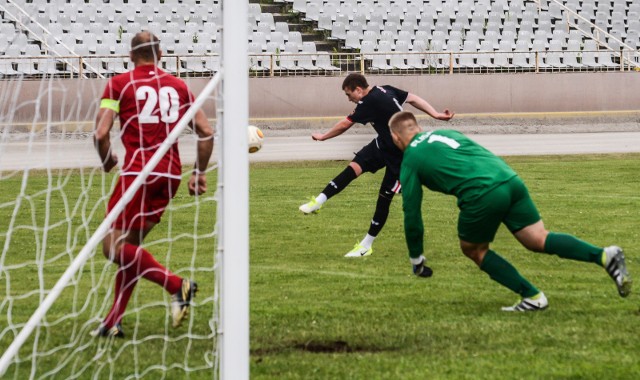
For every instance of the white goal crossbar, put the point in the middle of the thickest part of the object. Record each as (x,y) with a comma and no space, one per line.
(102,230)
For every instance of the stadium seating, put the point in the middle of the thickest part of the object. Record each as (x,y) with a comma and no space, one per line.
(95,22)
(519,26)
(516,27)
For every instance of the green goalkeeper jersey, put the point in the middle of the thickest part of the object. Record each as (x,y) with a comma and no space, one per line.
(448,162)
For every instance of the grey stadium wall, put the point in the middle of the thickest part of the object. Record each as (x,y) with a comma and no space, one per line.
(288,98)
(507,93)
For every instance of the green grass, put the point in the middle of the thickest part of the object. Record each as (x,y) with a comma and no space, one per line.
(317,315)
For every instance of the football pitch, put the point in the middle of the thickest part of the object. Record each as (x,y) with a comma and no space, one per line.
(318,315)
(315,314)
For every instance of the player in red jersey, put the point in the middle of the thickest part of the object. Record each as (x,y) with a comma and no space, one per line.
(148,102)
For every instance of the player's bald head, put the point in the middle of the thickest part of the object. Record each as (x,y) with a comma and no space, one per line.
(145,46)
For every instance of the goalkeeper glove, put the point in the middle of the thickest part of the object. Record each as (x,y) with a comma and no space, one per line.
(420,269)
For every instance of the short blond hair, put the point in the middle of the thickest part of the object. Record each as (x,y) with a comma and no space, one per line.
(399,120)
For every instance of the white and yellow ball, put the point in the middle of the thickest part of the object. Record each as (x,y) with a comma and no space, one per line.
(256,137)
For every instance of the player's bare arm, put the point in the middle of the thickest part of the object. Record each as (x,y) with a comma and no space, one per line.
(102,140)
(339,128)
(427,108)
(198,181)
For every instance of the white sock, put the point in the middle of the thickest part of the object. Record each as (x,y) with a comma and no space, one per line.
(321,199)
(367,241)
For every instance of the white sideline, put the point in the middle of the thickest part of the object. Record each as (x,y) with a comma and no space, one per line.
(101,231)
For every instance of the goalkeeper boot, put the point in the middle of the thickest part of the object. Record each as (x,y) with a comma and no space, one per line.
(359,251)
(181,301)
(535,303)
(311,207)
(613,262)
(114,331)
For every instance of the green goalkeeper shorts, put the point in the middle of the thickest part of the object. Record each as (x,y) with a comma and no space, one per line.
(509,203)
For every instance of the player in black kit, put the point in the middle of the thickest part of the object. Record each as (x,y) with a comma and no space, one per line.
(375,105)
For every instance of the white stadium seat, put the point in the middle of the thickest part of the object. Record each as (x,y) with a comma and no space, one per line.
(323,62)
(481,24)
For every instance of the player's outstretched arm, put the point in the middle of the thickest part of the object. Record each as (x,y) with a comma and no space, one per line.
(198,181)
(427,108)
(338,129)
(413,223)
(102,140)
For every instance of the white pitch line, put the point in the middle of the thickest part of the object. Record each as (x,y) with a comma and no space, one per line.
(327,273)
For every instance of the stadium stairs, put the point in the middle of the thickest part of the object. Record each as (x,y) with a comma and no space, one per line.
(283,11)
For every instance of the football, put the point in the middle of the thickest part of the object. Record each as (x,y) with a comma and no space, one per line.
(255,138)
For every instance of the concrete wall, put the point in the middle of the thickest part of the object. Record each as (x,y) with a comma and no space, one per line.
(68,101)
(498,93)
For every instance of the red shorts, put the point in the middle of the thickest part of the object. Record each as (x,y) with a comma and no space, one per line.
(148,203)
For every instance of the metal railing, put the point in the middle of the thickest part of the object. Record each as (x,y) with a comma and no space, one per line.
(334,64)
(571,18)
(42,33)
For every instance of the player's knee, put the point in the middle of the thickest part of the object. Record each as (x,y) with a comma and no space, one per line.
(536,246)
(533,237)
(109,249)
(535,243)
(475,256)
(356,168)
(106,249)
(475,252)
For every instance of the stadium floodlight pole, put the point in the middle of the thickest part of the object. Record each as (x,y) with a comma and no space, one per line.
(102,230)
(233,341)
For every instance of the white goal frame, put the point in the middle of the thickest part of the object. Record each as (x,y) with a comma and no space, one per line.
(234,237)
(233,187)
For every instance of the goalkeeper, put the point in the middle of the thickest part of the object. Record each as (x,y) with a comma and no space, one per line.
(148,102)
(489,193)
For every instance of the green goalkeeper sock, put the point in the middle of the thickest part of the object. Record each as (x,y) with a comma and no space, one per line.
(502,272)
(570,247)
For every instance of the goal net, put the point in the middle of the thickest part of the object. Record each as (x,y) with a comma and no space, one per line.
(53,199)
(55,284)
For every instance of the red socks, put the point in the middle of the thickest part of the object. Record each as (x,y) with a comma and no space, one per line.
(135,262)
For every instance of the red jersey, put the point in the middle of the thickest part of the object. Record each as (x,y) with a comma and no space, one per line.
(149,103)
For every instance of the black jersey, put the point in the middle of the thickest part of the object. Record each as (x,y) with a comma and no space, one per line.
(376,108)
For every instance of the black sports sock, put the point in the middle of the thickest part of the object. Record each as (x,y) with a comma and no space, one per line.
(381,213)
(340,182)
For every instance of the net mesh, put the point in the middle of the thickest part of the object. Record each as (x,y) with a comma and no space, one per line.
(53,196)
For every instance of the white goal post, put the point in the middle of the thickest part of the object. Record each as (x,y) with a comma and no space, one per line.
(234,239)
(232,276)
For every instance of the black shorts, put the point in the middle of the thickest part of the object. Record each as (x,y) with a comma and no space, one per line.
(371,159)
